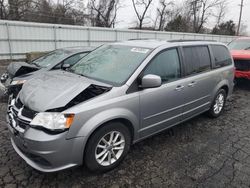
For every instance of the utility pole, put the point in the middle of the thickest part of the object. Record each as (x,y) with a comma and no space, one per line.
(241,7)
(194,5)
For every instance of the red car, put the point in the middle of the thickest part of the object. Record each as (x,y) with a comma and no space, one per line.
(240,50)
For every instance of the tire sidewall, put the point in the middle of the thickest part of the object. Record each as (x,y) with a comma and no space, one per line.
(89,156)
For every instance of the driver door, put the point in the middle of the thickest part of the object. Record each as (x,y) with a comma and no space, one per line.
(162,107)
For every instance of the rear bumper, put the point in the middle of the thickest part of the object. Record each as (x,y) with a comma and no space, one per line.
(242,74)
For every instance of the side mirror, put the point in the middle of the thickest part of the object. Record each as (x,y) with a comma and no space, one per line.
(65,66)
(150,81)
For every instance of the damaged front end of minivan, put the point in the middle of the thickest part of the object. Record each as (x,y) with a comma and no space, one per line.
(37,116)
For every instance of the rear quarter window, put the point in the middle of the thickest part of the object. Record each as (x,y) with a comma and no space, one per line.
(222,56)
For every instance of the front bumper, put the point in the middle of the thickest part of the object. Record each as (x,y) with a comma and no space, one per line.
(42,151)
(242,74)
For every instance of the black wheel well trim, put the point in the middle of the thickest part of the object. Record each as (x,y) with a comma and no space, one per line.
(124,121)
(226,88)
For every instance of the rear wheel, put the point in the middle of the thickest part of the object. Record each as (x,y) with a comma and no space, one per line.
(107,147)
(218,104)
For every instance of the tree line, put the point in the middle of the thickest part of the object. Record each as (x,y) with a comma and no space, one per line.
(191,16)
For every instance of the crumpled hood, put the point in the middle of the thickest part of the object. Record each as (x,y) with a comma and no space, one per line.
(19,68)
(53,89)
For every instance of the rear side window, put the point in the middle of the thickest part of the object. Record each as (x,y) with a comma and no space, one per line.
(197,59)
(222,56)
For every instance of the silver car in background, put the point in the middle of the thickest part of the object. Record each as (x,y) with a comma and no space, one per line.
(115,96)
(19,72)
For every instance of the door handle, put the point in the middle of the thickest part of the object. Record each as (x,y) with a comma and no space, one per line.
(179,88)
(191,84)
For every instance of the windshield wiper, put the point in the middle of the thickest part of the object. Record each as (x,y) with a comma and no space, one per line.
(83,75)
(72,71)
(69,70)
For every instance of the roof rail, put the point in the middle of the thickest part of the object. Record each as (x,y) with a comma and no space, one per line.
(144,39)
(182,40)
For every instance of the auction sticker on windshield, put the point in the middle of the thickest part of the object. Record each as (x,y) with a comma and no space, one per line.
(140,50)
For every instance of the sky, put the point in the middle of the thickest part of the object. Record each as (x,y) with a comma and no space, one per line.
(126,16)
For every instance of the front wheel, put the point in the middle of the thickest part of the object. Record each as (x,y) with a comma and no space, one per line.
(218,104)
(107,147)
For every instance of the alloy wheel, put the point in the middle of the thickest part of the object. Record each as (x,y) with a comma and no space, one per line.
(219,103)
(110,148)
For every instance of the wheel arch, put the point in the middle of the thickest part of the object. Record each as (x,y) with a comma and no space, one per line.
(224,84)
(125,116)
(226,88)
(124,121)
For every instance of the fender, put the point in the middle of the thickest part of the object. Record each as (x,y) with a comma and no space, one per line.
(108,115)
(219,85)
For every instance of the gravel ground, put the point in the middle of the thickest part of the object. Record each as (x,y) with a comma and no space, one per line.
(202,152)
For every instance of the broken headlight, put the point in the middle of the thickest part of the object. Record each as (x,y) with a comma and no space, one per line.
(53,121)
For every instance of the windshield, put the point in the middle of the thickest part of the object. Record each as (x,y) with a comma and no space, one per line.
(111,64)
(239,45)
(51,58)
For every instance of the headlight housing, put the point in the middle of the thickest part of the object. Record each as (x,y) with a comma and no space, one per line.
(53,121)
(17,82)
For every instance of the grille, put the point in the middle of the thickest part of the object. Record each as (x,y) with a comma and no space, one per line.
(18,103)
(242,65)
(22,124)
(26,112)
(19,122)
(15,112)
(20,115)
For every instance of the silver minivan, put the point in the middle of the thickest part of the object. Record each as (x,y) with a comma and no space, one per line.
(115,96)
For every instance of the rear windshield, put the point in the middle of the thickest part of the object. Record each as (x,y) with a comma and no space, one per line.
(239,44)
(112,64)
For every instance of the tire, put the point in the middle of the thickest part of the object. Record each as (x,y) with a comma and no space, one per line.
(94,155)
(219,100)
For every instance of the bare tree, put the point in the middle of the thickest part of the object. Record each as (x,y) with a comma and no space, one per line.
(19,8)
(221,11)
(144,4)
(104,12)
(3,10)
(62,12)
(43,11)
(162,13)
(13,9)
(201,10)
